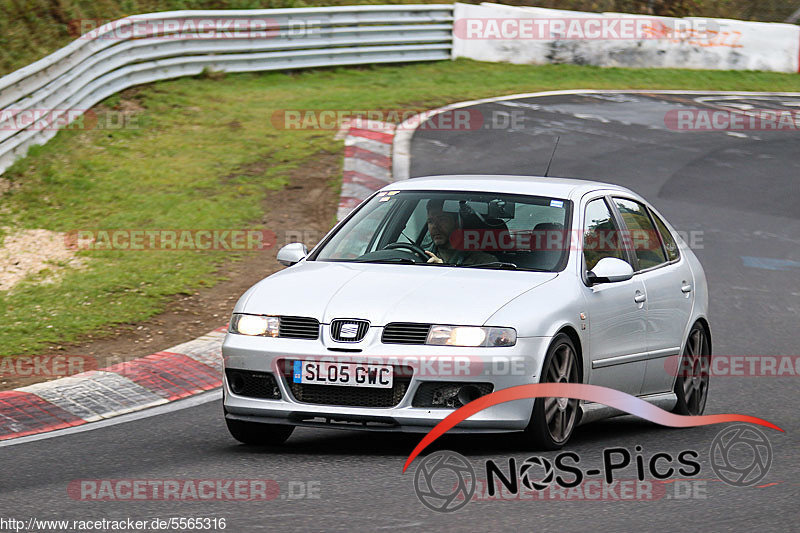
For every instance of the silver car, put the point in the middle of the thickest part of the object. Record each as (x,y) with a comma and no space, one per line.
(438,290)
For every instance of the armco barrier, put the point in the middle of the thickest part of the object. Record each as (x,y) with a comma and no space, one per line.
(725,45)
(158,46)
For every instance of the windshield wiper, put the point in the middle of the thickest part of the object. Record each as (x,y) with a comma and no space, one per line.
(401,260)
(500,265)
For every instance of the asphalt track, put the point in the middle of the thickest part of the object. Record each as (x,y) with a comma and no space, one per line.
(740,192)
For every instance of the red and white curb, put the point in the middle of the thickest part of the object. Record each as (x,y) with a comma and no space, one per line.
(179,372)
(367,162)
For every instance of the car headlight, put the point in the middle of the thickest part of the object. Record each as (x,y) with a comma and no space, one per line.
(471,336)
(266,326)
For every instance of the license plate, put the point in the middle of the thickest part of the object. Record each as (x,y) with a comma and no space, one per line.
(345,374)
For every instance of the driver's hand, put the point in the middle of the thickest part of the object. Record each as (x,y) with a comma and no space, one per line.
(433,258)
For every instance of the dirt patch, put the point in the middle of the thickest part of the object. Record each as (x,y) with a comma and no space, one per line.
(256,168)
(305,209)
(127,110)
(129,103)
(34,252)
(5,186)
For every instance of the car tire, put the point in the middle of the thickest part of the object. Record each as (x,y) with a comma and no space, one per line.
(691,383)
(258,434)
(554,419)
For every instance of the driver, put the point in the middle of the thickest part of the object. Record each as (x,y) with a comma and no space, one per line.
(441,225)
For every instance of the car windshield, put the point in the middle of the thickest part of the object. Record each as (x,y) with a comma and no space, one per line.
(463,229)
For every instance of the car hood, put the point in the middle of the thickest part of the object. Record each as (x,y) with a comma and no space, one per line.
(384,293)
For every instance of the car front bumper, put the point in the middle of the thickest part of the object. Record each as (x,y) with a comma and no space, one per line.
(502,367)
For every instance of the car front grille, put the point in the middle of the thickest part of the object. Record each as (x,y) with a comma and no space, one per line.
(343,330)
(253,384)
(351,396)
(299,327)
(405,333)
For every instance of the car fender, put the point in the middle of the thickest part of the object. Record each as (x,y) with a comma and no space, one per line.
(544,311)
(700,290)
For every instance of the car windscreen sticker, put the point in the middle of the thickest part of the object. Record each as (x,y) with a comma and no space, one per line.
(298,370)
(556,203)
(392,193)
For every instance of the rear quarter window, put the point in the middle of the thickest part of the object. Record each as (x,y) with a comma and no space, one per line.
(669,241)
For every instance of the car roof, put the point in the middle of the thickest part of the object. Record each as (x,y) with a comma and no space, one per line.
(533,185)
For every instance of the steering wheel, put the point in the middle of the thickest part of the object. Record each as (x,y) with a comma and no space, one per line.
(410,247)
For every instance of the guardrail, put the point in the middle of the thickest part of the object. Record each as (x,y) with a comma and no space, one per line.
(159,46)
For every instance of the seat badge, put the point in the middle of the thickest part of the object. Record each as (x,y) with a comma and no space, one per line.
(349,331)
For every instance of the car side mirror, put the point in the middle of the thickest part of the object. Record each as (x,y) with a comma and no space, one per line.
(292,253)
(609,270)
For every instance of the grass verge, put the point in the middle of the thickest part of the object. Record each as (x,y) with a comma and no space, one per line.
(202,156)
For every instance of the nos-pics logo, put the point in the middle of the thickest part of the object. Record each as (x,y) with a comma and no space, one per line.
(445,481)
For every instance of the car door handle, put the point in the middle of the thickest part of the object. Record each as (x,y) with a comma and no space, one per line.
(686,288)
(640,297)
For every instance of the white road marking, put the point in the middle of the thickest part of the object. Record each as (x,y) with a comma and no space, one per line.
(586,116)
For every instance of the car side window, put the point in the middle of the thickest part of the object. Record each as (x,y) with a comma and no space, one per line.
(666,236)
(600,234)
(642,233)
